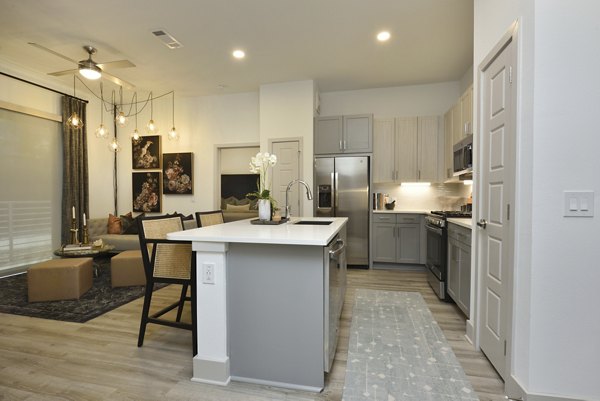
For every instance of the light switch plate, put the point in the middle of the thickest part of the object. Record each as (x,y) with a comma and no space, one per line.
(579,204)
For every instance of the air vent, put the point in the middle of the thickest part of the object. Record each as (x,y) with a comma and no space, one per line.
(167,39)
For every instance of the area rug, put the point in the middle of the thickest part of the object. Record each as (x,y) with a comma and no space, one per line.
(397,351)
(100,299)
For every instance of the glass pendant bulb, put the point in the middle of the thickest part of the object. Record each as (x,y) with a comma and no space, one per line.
(121,119)
(173,135)
(151,127)
(135,136)
(102,132)
(114,145)
(74,121)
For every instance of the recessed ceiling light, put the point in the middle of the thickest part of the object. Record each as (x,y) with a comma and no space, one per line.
(383,36)
(239,54)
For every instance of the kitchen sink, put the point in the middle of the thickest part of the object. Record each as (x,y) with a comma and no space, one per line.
(314,222)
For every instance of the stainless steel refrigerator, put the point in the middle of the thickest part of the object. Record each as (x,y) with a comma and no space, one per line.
(342,188)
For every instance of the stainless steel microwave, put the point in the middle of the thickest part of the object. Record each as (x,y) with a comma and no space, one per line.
(463,156)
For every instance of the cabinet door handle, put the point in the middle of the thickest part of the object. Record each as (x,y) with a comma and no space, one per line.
(345,147)
(341,145)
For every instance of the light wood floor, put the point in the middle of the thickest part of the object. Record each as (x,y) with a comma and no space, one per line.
(99,360)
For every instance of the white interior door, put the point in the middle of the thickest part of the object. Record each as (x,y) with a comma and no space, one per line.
(497,194)
(286,170)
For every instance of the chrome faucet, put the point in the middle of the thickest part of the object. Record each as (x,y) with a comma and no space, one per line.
(287,191)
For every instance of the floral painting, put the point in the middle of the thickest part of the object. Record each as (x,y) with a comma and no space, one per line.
(146,152)
(146,192)
(177,174)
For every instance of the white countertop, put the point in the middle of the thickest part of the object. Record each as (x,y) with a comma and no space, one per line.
(244,232)
(463,222)
(401,211)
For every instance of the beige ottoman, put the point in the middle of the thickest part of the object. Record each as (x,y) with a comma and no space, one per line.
(126,269)
(59,279)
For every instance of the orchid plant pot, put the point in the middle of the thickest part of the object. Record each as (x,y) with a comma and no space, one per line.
(264,209)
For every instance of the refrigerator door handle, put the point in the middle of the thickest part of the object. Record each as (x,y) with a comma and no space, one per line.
(335,195)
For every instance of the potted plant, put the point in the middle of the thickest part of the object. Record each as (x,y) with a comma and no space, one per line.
(261,163)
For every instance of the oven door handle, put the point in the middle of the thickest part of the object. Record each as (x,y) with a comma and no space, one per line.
(435,230)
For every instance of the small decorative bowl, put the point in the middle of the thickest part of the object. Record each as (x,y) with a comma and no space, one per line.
(390,206)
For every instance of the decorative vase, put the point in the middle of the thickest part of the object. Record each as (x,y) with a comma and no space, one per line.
(264,209)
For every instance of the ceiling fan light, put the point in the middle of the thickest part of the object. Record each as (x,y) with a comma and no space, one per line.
(173,135)
(102,132)
(88,69)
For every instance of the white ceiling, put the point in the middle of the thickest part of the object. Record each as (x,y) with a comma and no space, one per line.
(330,41)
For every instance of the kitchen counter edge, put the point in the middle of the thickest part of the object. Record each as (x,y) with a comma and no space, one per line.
(463,222)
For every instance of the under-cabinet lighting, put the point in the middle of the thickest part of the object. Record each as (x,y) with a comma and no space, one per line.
(415,184)
(468,182)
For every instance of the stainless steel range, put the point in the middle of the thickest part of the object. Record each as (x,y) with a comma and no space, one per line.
(437,251)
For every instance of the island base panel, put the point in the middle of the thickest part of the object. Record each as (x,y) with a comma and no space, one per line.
(276,311)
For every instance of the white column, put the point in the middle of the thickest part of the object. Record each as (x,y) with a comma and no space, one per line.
(211,364)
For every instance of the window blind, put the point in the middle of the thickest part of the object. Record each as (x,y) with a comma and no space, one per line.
(31,181)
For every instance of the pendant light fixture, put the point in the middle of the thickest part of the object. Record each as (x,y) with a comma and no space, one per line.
(173,135)
(114,145)
(135,135)
(74,121)
(102,130)
(151,127)
(121,118)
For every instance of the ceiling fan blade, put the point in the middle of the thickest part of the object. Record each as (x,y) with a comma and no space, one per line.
(118,81)
(116,64)
(52,52)
(66,72)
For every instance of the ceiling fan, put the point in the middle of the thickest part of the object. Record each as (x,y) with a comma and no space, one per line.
(89,68)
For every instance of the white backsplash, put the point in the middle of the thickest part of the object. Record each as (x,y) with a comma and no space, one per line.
(434,197)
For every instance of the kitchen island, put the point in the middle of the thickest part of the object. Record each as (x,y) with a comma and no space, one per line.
(268,300)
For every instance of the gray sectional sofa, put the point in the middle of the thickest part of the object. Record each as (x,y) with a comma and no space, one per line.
(98,227)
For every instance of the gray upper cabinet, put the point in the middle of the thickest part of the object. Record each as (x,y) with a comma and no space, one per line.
(344,134)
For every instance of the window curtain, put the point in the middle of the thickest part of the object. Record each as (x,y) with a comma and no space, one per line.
(75,191)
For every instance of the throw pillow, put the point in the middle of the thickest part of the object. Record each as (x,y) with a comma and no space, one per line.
(232,200)
(130,225)
(238,208)
(114,225)
(244,201)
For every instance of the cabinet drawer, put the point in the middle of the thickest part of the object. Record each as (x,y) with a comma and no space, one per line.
(384,218)
(408,218)
(459,234)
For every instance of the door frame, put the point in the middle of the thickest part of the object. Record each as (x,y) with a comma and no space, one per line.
(474,325)
(300,163)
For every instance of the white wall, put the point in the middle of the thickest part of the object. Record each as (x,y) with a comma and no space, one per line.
(286,111)
(401,101)
(566,105)
(556,327)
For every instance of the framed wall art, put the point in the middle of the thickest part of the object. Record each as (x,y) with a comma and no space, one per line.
(145,153)
(146,192)
(178,174)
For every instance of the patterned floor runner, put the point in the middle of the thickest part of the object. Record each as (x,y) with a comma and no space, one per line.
(398,352)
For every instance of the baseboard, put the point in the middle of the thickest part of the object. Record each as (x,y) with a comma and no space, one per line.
(470,335)
(515,391)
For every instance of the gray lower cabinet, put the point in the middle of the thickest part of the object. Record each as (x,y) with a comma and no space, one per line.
(459,266)
(397,238)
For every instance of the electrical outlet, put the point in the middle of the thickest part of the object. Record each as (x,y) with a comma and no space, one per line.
(208,273)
